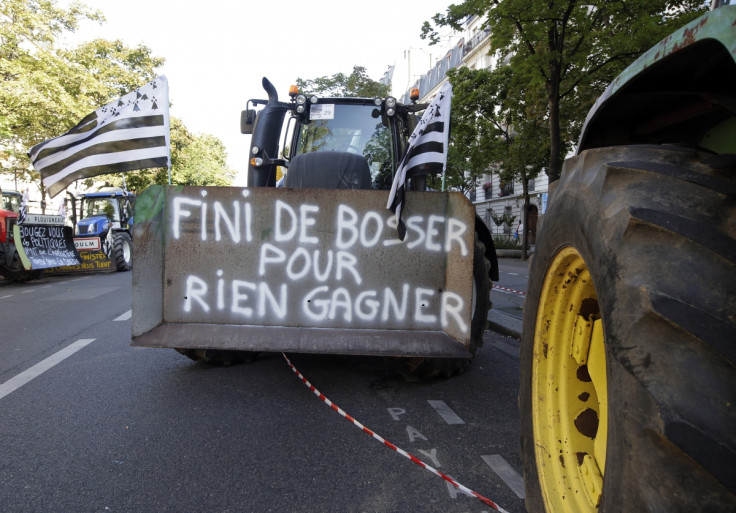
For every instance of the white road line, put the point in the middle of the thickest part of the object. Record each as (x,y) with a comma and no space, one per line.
(24,377)
(445,412)
(124,317)
(507,473)
(5,297)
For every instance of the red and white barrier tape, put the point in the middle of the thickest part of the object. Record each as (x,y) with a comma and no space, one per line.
(504,289)
(484,500)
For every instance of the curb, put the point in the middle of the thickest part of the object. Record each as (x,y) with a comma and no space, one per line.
(504,324)
(513,253)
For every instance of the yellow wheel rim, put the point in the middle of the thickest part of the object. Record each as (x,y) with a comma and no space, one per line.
(569,388)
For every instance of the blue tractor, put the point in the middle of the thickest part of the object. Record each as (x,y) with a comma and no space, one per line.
(108,214)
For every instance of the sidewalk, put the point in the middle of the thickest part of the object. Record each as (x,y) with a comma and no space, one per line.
(504,323)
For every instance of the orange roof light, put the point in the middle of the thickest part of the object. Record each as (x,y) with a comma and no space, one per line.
(293,91)
(414,94)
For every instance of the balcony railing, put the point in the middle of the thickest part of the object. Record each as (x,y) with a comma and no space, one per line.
(506,189)
(476,40)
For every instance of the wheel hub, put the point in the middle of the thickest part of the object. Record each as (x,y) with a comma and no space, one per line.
(569,386)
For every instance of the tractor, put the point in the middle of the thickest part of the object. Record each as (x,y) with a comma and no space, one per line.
(628,355)
(108,215)
(306,258)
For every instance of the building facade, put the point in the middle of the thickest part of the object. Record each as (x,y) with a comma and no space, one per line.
(500,205)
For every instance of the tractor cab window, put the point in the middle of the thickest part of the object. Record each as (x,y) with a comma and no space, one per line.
(358,129)
(11,202)
(107,207)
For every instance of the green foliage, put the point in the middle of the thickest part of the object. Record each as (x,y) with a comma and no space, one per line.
(563,53)
(493,129)
(357,84)
(505,219)
(203,162)
(506,242)
(46,89)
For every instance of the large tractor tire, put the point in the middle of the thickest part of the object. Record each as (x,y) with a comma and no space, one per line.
(628,382)
(122,250)
(426,368)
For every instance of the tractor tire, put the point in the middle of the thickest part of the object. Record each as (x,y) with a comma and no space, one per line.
(122,251)
(224,357)
(628,381)
(427,368)
(17,273)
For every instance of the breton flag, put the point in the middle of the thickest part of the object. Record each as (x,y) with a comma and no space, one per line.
(427,152)
(23,208)
(129,133)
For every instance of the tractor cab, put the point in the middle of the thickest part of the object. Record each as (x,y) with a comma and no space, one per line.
(99,211)
(329,143)
(11,201)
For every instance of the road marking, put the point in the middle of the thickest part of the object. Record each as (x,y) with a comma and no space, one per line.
(445,412)
(507,473)
(5,297)
(27,291)
(24,377)
(127,315)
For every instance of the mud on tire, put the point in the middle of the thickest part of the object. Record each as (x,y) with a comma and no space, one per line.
(655,229)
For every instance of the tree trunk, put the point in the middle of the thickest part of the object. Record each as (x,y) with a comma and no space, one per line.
(523,213)
(553,99)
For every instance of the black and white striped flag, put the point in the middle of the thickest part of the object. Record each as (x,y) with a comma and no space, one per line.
(427,151)
(129,133)
(23,208)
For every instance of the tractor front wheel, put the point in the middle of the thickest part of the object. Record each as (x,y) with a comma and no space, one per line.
(628,387)
(122,251)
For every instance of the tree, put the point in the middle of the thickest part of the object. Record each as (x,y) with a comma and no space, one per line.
(568,49)
(203,162)
(357,84)
(47,89)
(494,127)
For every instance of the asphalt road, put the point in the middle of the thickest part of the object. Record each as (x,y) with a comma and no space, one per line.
(509,292)
(114,428)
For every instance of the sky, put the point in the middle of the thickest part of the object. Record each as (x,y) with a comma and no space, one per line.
(217,51)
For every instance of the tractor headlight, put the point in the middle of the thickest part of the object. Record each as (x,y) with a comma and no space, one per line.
(390,106)
(301,99)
